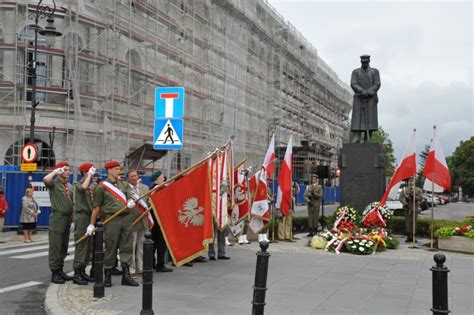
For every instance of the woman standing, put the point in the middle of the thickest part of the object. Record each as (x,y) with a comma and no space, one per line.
(29,213)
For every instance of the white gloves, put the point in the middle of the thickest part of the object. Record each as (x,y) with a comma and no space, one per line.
(91,170)
(71,229)
(59,171)
(90,229)
(38,212)
(131,204)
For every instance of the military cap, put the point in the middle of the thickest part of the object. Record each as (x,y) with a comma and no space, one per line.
(111,164)
(85,167)
(61,164)
(314,175)
(365,57)
(154,176)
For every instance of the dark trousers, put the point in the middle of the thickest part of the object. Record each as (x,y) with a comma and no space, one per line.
(159,246)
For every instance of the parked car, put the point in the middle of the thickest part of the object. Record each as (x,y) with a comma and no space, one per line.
(395,205)
(443,199)
(429,199)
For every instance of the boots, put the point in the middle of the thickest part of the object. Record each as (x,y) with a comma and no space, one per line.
(64,275)
(265,238)
(108,278)
(311,232)
(241,240)
(56,277)
(78,278)
(260,238)
(86,276)
(227,242)
(126,279)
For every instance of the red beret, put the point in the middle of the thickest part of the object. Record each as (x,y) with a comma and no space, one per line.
(111,164)
(61,164)
(85,167)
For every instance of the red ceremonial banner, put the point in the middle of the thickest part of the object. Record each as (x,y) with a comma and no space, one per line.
(184,212)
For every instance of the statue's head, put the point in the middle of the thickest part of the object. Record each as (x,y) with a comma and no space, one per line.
(365,60)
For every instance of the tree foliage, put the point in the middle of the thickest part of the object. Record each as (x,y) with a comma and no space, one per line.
(420,179)
(382,137)
(461,165)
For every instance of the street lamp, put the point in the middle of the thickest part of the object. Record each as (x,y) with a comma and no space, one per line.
(42,11)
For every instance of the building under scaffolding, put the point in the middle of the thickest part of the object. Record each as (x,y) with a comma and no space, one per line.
(247,72)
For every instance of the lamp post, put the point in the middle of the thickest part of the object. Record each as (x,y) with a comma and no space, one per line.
(42,11)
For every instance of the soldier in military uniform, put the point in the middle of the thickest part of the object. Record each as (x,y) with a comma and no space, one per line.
(313,194)
(60,219)
(406,198)
(365,82)
(110,196)
(83,198)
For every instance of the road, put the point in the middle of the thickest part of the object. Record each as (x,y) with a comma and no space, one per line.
(25,276)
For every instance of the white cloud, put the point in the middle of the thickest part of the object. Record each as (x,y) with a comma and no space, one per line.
(424,51)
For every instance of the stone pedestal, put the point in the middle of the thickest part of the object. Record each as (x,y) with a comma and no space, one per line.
(362,177)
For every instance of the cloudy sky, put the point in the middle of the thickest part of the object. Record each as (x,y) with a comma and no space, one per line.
(423,50)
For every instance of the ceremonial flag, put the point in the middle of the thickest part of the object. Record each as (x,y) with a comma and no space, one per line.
(230,170)
(406,169)
(222,214)
(269,161)
(259,211)
(436,170)
(241,202)
(284,181)
(183,210)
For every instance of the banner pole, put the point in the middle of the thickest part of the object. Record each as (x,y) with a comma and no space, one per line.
(432,210)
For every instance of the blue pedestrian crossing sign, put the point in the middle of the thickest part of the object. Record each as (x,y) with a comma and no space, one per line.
(169,102)
(168,134)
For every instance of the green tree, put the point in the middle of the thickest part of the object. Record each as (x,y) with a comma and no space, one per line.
(462,166)
(382,137)
(420,179)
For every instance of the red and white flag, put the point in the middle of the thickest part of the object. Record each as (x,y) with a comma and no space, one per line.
(230,171)
(260,209)
(184,212)
(407,168)
(436,170)
(269,161)
(284,181)
(241,197)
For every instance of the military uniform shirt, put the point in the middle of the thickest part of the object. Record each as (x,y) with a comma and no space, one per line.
(61,201)
(107,202)
(82,199)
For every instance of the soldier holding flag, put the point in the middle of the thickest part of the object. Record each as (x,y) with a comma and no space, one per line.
(110,196)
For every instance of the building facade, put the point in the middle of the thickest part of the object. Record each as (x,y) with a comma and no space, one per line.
(247,73)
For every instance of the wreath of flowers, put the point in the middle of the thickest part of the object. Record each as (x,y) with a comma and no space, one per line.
(360,246)
(350,214)
(384,210)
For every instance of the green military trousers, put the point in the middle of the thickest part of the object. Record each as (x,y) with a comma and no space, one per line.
(313,214)
(118,234)
(59,226)
(83,249)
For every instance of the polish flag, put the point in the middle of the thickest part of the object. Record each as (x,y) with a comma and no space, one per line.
(436,170)
(269,161)
(284,181)
(407,168)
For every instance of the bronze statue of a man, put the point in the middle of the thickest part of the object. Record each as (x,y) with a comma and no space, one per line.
(365,81)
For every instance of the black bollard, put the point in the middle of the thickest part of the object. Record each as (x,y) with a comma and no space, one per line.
(147,276)
(92,258)
(99,261)
(440,286)
(260,285)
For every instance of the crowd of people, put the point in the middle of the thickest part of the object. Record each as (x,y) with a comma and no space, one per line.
(77,208)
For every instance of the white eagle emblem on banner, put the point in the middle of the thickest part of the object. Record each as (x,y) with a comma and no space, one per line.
(191,213)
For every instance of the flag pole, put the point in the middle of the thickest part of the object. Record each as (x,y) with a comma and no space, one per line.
(273,192)
(414,215)
(113,216)
(144,213)
(432,210)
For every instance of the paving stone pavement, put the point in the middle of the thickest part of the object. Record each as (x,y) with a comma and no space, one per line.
(300,281)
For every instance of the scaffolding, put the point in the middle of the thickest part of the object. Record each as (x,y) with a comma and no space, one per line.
(246,71)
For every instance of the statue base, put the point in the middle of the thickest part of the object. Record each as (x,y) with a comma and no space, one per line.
(362,177)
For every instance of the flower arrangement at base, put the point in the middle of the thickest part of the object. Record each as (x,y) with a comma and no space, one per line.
(346,219)
(376,215)
(462,230)
(360,246)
